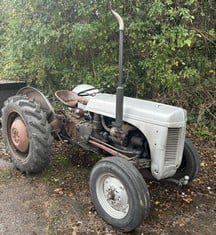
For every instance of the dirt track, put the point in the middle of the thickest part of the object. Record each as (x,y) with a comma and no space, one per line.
(57,201)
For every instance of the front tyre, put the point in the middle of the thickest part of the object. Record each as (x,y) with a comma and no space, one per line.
(190,164)
(26,133)
(119,193)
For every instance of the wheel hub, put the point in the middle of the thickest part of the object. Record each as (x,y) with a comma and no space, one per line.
(116,194)
(19,135)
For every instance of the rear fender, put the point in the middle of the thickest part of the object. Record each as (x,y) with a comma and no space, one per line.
(34,94)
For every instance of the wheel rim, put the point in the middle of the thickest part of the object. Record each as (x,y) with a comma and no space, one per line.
(19,135)
(112,196)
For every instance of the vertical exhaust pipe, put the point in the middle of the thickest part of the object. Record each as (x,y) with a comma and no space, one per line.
(120,88)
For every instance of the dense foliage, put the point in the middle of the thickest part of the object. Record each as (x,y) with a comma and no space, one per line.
(169,48)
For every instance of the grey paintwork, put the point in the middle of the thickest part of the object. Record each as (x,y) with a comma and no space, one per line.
(153,120)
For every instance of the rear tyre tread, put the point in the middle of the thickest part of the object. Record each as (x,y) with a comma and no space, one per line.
(39,132)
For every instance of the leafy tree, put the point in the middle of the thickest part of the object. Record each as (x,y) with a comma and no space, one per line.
(169,48)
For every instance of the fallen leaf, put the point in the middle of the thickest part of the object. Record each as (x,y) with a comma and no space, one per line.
(203,164)
(157,203)
(59,190)
(75,229)
(70,195)
(187,199)
(55,179)
(181,225)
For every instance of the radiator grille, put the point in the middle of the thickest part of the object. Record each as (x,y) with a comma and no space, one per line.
(172,146)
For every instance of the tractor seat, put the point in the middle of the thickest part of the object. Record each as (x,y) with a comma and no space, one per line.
(70,98)
(67,97)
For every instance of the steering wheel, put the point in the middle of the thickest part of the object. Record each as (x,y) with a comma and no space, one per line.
(82,93)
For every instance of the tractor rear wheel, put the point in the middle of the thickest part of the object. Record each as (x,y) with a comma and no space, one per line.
(119,193)
(26,134)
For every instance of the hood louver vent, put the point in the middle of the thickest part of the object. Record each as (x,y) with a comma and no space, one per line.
(172,146)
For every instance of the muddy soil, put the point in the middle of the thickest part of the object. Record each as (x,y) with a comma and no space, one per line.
(57,201)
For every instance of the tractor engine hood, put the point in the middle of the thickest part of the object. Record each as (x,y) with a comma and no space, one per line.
(139,110)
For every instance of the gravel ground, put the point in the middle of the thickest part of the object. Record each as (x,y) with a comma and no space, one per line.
(57,201)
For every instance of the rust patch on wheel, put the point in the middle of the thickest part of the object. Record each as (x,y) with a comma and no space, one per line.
(19,135)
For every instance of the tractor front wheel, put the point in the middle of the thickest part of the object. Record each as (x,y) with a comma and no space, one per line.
(119,193)
(190,164)
(26,133)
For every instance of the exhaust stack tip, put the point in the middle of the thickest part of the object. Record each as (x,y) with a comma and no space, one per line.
(119,19)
